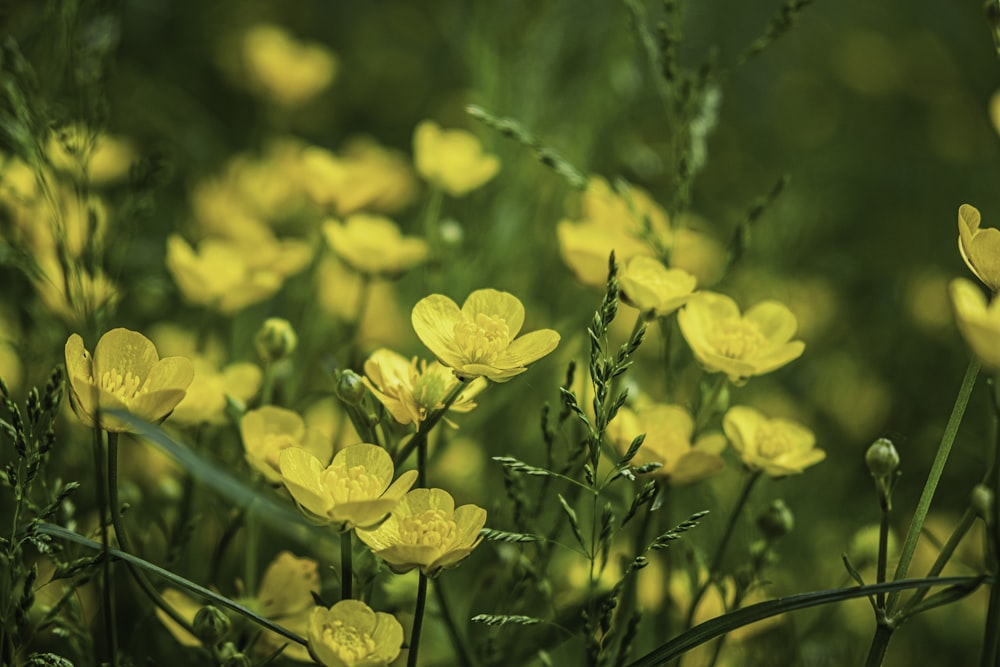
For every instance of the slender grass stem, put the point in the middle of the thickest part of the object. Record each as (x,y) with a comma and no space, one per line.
(418,621)
(707,409)
(108,613)
(346,567)
(883,546)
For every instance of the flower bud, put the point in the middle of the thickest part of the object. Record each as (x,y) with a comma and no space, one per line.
(776,521)
(276,340)
(882,458)
(350,389)
(982,501)
(211,625)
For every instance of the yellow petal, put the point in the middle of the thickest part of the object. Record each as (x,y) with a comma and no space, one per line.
(123,350)
(530,347)
(434,318)
(495,303)
(301,473)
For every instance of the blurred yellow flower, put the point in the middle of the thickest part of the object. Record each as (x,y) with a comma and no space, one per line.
(452,160)
(373,245)
(653,288)
(410,390)
(668,430)
(75,297)
(205,400)
(778,447)
(978,322)
(426,530)
(980,248)
(283,69)
(739,345)
(89,154)
(697,252)
(354,490)
(350,634)
(480,338)
(364,175)
(124,373)
(267,431)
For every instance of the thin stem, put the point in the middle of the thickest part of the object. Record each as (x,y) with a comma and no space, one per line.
(457,640)
(251,537)
(964,524)
(346,570)
(110,628)
(707,409)
(883,544)
(880,643)
(429,423)
(418,621)
(123,539)
(930,486)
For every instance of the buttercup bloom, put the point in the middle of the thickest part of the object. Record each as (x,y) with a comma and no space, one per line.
(978,323)
(364,175)
(206,398)
(479,339)
(668,430)
(124,373)
(739,346)
(354,490)
(284,69)
(651,287)
(453,160)
(426,530)
(980,248)
(350,634)
(267,432)
(373,245)
(409,390)
(778,447)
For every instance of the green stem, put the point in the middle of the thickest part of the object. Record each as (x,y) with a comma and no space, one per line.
(458,641)
(964,524)
(930,486)
(707,409)
(346,569)
(251,536)
(418,621)
(883,540)
(123,539)
(267,384)
(880,643)
(110,629)
(425,428)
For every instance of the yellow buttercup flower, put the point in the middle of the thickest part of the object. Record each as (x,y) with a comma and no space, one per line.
(282,68)
(267,432)
(205,400)
(410,390)
(354,490)
(480,338)
(668,430)
(364,175)
(452,160)
(778,447)
(373,245)
(88,154)
(740,346)
(426,530)
(350,634)
(653,288)
(980,248)
(124,373)
(978,322)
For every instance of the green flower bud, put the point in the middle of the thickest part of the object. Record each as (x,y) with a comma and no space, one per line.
(982,501)
(776,521)
(276,340)
(350,389)
(211,625)
(882,458)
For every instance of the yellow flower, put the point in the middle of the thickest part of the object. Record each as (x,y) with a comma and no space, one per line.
(124,373)
(452,160)
(651,287)
(281,68)
(980,248)
(364,176)
(354,490)
(268,431)
(285,597)
(350,634)
(778,447)
(978,322)
(479,339)
(88,154)
(668,430)
(426,530)
(409,390)
(740,346)
(373,245)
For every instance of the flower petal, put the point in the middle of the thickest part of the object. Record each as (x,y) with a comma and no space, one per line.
(434,318)
(301,473)
(495,303)
(530,347)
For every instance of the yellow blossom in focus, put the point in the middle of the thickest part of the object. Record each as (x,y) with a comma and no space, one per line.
(267,431)
(283,69)
(668,430)
(452,160)
(777,447)
(365,176)
(205,401)
(410,390)
(426,530)
(978,322)
(740,346)
(980,248)
(354,490)
(90,155)
(373,245)
(284,596)
(350,634)
(653,288)
(480,339)
(124,373)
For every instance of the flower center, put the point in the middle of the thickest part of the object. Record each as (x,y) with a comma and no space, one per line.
(350,644)
(432,528)
(772,441)
(126,387)
(737,339)
(482,340)
(431,386)
(352,484)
